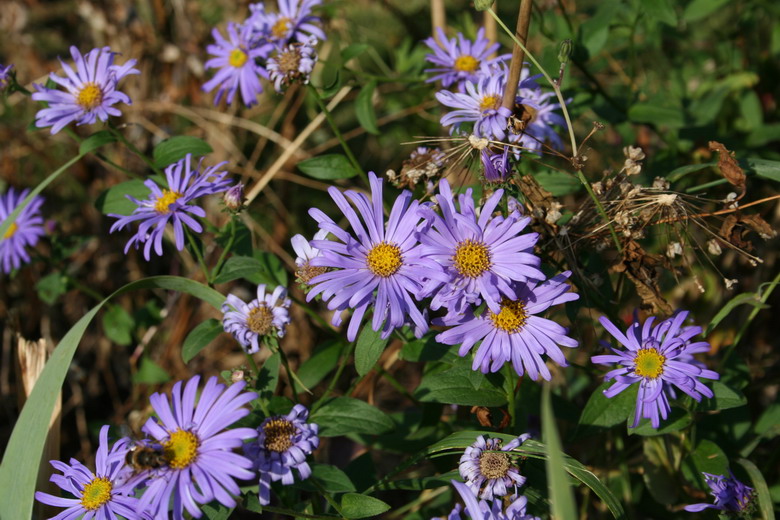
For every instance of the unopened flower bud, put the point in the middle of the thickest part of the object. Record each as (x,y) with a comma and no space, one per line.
(234,197)
(564,52)
(483,5)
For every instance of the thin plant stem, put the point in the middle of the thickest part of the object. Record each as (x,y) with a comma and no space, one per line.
(329,117)
(438,18)
(119,135)
(510,395)
(198,255)
(227,249)
(335,505)
(256,372)
(342,364)
(518,51)
(292,376)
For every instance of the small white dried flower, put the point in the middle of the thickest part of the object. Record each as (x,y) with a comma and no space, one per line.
(479,143)
(633,153)
(730,283)
(674,249)
(553,214)
(699,286)
(667,199)
(661,184)
(713,247)
(598,188)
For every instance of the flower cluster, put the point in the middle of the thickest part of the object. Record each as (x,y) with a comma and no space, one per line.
(91,90)
(278,46)
(24,231)
(660,359)
(459,258)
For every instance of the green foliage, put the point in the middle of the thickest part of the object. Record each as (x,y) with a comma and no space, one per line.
(200,337)
(114,199)
(344,415)
(177,147)
(368,349)
(327,167)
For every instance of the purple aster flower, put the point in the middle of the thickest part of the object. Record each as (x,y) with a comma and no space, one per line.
(487,463)
(268,315)
(172,203)
(730,495)
(293,21)
(25,231)
(483,510)
(91,90)
(459,60)
(293,64)
(283,443)
(659,359)
(515,334)
(237,61)
(535,116)
(201,465)
(497,165)
(305,252)
(5,76)
(101,494)
(377,267)
(480,255)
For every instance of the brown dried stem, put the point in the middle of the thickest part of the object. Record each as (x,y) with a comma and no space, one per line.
(518,54)
(438,17)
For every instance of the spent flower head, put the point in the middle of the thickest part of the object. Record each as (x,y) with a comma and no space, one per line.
(24,232)
(487,463)
(90,91)
(283,443)
(292,64)
(660,359)
(266,316)
(172,204)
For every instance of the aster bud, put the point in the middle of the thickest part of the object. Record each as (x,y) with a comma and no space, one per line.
(564,51)
(234,198)
(5,77)
(483,5)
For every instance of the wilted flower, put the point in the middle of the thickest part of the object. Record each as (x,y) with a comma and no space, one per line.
(423,164)
(234,198)
(268,315)
(283,443)
(632,165)
(730,495)
(91,90)
(485,510)
(305,252)
(237,61)
(487,463)
(514,333)
(5,76)
(378,267)
(24,232)
(459,60)
(293,21)
(101,494)
(660,359)
(292,64)
(172,204)
(201,465)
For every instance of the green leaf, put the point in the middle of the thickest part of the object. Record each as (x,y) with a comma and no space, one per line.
(751,299)
(656,115)
(344,415)
(699,9)
(354,505)
(114,199)
(677,420)
(765,505)
(216,511)
(678,173)
(707,458)
(332,479)
(370,346)
(320,364)
(595,31)
(118,325)
(561,495)
(327,167)
(273,272)
(95,141)
(177,147)
(725,397)
(21,459)
(364,108)
(51,287)
(239,267)
(268,377)
(200,337)
(353,50)
(558,183)
(658,472)
(661,10)
(454,386)
(603,412)
(761,167)
(150,373)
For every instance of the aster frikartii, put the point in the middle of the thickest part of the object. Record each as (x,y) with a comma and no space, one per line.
(91,90)
(497,165)
(458,60)
(101,494)
(730,494)
(292,63)
(267,315)
(377,266)
(236,60)
(201,465)
(283,443)
(172,203)
(23,232)
(293,21)
(514,333)
(480,254)
(489,510)
(487,463)
(660,359)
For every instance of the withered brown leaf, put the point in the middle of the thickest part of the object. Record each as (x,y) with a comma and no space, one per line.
(736,226)
(641,268)
(729,166)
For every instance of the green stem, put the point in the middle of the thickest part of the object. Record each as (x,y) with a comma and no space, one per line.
(394,383)
(198,255)
(297,514)
(335,505)
(510,395)
(119,135)
(342,363)
(256,374)
(293,377)
(227,249)
(73,135)
(316,317)
(332,123)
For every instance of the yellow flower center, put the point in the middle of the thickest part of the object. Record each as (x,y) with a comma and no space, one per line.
(96,493)
(237,57)
(384,259)
(649,363)
(471,258)
(90,96)
(466,63)
(163,203)
(181,449)
(494,465)
(512,316)
(307,271)
(260,320)
(489,103)
(11,230)
(279,435)
(279,29)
